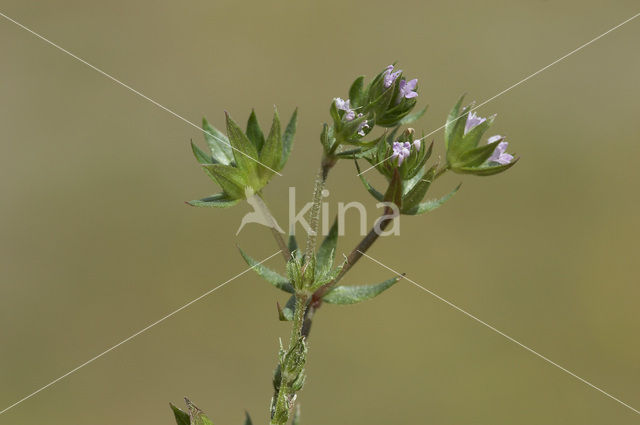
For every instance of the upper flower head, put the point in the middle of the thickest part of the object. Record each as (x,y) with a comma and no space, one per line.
(401,151)
(390,77)
(407,89)
(500,155)
(473,120)
(345,105)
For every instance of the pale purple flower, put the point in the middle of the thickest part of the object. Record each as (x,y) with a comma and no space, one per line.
(407,88)
(363,125)
(473,121)
(345,105)
(499,155)
(417,144)
(401,151)
(390,77)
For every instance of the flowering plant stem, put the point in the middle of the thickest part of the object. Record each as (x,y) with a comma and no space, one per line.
(313,275)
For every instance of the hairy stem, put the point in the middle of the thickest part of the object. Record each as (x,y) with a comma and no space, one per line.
(314,215)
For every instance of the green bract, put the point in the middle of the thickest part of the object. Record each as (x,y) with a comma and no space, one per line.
(241,160)
(464,155)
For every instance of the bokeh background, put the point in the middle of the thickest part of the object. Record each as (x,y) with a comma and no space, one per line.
(96,242)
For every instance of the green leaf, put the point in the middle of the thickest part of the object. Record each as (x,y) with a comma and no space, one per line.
(379,196)
(477,156)
(335,115)
(327,251)
(197,416)
(452,121)
(354,294)
(202,157)
(218,143)
(413,197)
(488,170)
(286,314)
(267,274)
(245,153)
(413,117)
(182,418)
(287,139)
(356,92)
(220,200)
(247,420)
(271,154)
(431,204)
(230,179)
(254,133)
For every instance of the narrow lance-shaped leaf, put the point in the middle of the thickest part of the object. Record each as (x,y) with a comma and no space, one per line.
(245,153)
(431,204)
(487,170)
(272,151)
(182,418)
(267,274)
(202,157)
(218,143)
(220,200)
(354,294)
(452,119)
(286,313)
(356,92)
(287,139)
(254,133)
(247,419)
(379,196)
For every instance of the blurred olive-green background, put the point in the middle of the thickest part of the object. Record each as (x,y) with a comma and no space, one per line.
(96,242)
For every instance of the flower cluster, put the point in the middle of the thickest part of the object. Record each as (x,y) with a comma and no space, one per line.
(385,102)
(463,132)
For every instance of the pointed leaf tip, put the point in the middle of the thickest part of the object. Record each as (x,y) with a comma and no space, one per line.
(182,418)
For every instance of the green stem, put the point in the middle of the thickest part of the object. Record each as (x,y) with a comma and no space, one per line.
(285,397)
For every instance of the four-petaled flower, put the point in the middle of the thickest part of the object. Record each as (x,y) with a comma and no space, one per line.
(499,155)
(345,105)
(401,151)
(407,89)
(473,121)
(390,76)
